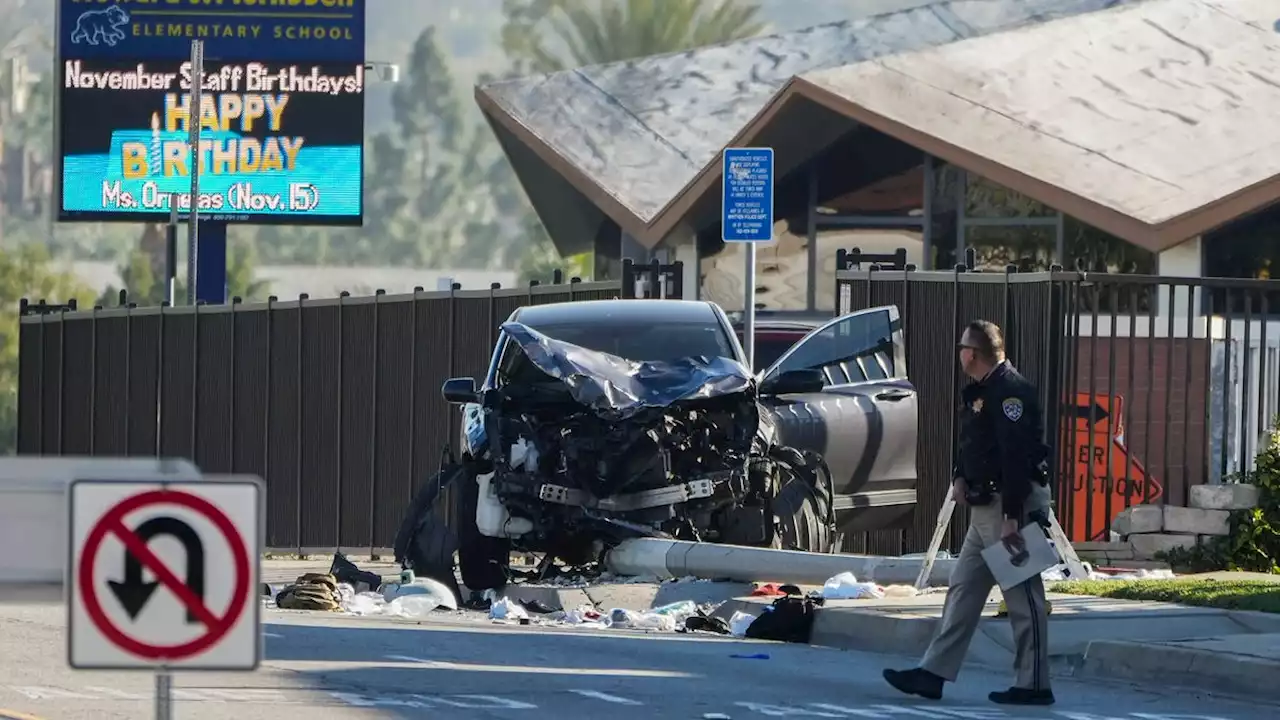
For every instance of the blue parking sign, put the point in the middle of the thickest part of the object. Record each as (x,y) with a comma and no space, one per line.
(747,195)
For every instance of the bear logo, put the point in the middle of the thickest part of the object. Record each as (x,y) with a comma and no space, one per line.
(101,25)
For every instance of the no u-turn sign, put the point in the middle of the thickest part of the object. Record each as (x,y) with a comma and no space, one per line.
(164,575)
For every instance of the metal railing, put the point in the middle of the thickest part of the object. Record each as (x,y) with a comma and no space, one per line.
(1149,388)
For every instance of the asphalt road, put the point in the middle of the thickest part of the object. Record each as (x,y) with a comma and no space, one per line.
(324,666)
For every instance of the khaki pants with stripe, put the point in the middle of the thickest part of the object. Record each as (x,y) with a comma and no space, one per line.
(971,584)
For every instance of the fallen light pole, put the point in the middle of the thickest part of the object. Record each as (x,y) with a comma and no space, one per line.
(676,558)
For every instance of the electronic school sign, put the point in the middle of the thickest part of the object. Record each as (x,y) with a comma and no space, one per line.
(281,112)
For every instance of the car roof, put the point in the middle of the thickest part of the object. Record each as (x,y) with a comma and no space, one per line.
(599,312)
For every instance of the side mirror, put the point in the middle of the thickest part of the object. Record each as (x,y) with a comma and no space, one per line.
(459,390)
(794,381)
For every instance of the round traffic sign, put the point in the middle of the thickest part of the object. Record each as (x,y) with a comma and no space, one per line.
(112,523)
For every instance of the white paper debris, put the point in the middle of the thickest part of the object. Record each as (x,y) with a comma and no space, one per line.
(846,587)
(413,607)
(739,623)
(505,609)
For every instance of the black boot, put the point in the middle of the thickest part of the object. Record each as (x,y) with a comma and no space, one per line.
(1022,696)
(916,681)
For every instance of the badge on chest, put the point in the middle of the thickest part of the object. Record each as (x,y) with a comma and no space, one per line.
(977,406)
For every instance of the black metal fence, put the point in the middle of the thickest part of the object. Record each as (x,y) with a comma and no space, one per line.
(335,403)
(1151,384)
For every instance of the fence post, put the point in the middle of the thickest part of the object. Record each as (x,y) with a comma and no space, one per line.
(871,272)
(493,315)
(677,279)
(297,465)
(1005,321)
(160,384)
(93,379)
(270,389)
(62,380)
(195,382)
(236,300)
(341,384)
(628,279)
(413,381)
(573,282)
(374,424)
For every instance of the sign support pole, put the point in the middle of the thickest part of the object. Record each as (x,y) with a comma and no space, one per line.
(164,699)
(171,252)
(747,217)
(193,139)
(749,305)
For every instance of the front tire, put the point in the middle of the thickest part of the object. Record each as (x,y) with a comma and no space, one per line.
(803,517)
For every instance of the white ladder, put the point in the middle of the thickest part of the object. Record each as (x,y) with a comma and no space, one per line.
(1073,568)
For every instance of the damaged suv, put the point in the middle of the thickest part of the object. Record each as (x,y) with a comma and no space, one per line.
(604,420)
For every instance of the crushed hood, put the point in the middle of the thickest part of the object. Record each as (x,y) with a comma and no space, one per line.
(617,388)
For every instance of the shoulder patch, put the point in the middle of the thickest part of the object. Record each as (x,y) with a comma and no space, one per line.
(1012,408)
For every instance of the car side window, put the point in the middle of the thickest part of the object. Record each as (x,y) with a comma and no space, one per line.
(855,349)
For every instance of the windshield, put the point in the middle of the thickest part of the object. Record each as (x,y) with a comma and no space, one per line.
(632,341)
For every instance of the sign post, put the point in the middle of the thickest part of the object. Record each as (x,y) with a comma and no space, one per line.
(747,217)
(187,603)
(193,139)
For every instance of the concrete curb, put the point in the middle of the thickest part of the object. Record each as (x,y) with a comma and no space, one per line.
(904,629)
(1173,665)
(631,596)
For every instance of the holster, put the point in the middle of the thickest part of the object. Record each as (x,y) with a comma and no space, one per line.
(980,493)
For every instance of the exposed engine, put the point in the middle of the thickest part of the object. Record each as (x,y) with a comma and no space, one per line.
(563,478)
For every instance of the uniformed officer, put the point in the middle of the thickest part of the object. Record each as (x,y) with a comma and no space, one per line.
(1000,475)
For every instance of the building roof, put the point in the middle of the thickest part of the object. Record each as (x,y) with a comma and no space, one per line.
(631,138)
(1154,122)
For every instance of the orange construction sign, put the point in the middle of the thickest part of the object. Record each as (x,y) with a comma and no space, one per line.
(1103,471)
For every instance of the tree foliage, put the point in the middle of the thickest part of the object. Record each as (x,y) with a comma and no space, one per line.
(26,272)
(552,35)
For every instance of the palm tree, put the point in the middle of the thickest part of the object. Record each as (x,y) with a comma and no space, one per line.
(587,32)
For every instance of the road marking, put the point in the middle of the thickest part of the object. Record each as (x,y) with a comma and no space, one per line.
(15,715)
(471,702)
(784,710)
(596,694)
(539,670)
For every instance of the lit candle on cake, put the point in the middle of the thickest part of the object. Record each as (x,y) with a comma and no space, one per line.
(156,146)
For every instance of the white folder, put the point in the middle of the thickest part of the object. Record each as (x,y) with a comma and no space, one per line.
(1040,556)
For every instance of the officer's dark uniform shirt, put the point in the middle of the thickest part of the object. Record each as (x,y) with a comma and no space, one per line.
(1000,437)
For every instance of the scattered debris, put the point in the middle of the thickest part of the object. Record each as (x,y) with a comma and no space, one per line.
(312,591)
(430,590)
(846,587)
(788,619)
(505,609)
(740,622)
(345,571)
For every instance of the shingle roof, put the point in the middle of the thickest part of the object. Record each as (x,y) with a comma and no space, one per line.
(632,136)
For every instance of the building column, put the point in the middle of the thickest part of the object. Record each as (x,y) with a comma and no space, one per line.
(1180,261)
